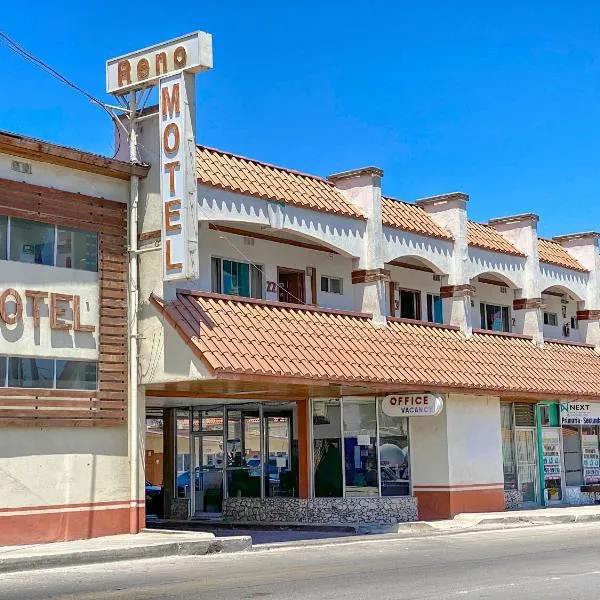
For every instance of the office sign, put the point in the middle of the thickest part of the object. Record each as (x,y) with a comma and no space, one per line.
(191,53)
(580,413)
(412,405)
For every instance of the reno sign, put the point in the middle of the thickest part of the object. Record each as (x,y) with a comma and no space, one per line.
(171,66)
(412,405)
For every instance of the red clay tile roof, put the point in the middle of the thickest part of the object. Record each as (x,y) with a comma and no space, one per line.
(552,252)
(239,337)
(486,237)
(410,217)
(246,176)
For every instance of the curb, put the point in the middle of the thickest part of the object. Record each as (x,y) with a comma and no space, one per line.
(71,559)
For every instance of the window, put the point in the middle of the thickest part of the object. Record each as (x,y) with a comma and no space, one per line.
(76,375)
(571,437)
(3,237)
(551,319)
(358,450)
(30,372)
(48,373)
(34,243)
(77,249)
(333,285)
(237,278)
(31,242)
(574,323)
(494,317)
(327,449)
(434,309)
(508,447)
(410,304)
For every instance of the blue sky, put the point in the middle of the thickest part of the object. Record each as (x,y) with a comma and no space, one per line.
(501,100)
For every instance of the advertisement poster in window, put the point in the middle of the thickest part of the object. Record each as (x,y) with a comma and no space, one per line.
(551,450)
(591,459)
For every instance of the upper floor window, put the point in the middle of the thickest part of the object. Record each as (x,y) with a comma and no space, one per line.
(434,309)
(42,244)
(237,278)
(551,319)
(333,285)
(494,317)
(409,302)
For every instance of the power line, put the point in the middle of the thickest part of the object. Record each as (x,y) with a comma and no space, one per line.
(11,44)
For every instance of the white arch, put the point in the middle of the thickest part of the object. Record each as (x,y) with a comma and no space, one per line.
(343,235)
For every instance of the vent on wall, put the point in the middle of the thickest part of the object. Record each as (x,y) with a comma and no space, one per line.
(248,241)
(437,277)
(503,290)
(525,415)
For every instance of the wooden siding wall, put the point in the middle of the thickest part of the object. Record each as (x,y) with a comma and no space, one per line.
(108,405)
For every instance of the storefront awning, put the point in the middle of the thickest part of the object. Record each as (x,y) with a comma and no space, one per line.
(242,338)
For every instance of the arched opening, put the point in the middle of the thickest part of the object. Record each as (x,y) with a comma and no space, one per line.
(492,303)
(414,289)
(560,314)
(254,260)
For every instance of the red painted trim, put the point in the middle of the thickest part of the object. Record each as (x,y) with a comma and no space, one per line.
(66,526)
(59,507)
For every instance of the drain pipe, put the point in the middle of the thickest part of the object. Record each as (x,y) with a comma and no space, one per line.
(133,303)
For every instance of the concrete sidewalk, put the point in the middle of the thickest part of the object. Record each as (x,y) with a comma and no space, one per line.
(147,544)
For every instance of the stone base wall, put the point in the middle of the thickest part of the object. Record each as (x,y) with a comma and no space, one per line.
(322,510)
(575,496)
(512,499)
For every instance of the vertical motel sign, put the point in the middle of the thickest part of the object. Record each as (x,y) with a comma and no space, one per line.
(172,67)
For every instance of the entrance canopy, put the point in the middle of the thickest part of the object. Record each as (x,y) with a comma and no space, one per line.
(247,343)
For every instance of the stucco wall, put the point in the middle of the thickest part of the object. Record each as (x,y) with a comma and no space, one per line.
(64,178)
(23,339)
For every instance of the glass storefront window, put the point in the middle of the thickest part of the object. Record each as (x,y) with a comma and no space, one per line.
(394,459)
(591,455)
(360,448)
(327,448)
(184,456)
(571,437)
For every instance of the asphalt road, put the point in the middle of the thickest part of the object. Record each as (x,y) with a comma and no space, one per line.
(557,562)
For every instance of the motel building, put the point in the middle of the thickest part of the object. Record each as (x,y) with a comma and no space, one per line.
(306,349)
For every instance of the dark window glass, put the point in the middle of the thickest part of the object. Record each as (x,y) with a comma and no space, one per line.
(31,242)
(30,372)
(77,249)
(494,318)
(327,449)
(76,375)
(3,371)
(216,275)
(3,237)
(324,283)
(409,305)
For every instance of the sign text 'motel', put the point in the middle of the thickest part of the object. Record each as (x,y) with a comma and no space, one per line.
(412,405)
(172,65)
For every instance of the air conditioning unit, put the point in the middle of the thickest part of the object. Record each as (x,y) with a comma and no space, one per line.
(248,241)
(503,290)
(437,277)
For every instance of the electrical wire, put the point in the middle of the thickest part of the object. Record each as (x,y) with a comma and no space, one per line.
(11,44)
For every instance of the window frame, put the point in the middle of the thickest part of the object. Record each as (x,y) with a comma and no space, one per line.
(328,279)
(56,229)
(220,259)
(416,299)
(5,358)
(547,315)
(483,316)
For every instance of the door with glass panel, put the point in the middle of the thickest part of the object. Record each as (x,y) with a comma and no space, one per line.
(527,463)
(280,470)
(208,463)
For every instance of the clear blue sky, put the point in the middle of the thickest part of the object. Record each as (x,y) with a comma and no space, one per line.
(499,100)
